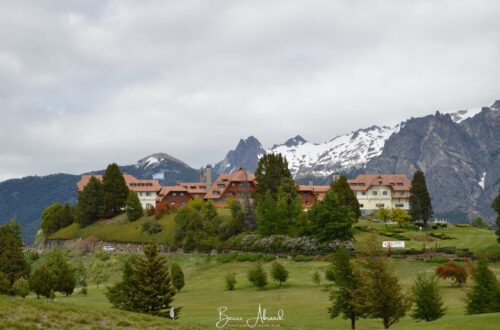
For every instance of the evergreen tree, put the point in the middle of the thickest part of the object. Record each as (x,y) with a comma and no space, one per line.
(420,200)
(66,282)
(485,294)
(330,220)
(121,294)
(115,191)
(288,208)
(496,207)
(379,293)
(267,222)
(81,278)
(258,276)
(428,301)
(346,196)
(21,287)
(148,287)
(271,170)
(12,261)
(346,281)
(134,207)
(5,287)
(41,282)
(177,276)
(90,203)
(279,273)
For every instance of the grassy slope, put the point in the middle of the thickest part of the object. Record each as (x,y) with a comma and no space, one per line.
(120,230)
(304,304)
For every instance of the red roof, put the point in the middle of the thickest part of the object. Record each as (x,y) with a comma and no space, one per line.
(132,182)
(398,182)
(241,175)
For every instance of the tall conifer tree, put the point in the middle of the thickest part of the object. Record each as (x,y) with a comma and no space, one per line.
(271,171)
(90,203)
(420,200)
(346,195)
(115,191)
(134,207)
(485,294)
(12,262)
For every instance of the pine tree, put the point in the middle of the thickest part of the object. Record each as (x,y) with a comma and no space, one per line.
(346,195)
(90,203)
(12,262)
(496,207)
(151,288)
(279,273)
(177,276)
(428,301)
(379,294)
(346,283)
(115,191)
(134,207)
(121,295)
(420,200)
(485,294)
(258,276)
(41,282)
(330,220)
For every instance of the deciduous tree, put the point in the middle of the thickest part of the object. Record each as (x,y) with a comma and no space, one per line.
(454,271)
(21,287)
(258,276)
(279,273)
(41,282)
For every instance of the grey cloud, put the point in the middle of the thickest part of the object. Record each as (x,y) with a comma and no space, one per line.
(86,83)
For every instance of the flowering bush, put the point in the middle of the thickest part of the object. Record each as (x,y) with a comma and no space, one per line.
(283,244)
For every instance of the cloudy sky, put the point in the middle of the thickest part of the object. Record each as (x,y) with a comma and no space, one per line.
(85,83)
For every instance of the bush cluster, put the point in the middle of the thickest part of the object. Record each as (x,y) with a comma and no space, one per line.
(283,244)
(442,236)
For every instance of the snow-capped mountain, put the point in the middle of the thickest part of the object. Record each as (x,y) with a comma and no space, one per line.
(344,152)
(246,154)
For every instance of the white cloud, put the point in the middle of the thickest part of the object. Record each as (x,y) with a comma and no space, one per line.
(86,83)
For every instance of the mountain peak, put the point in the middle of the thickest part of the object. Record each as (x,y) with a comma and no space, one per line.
(295,141)
(246,155)
(496,105)
(156,159)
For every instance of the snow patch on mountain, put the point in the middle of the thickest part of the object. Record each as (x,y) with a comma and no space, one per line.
(481,182)
(348,151)
(157,160)
(461,115)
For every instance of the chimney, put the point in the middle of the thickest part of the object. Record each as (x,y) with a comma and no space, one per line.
(206,176)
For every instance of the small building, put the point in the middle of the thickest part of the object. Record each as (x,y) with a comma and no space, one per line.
(237,185)
(175,196)
(375,191)
(147,190)
(310,194)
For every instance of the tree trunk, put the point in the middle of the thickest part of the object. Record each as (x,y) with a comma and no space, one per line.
(353,322)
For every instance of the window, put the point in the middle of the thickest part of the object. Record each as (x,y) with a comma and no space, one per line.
(148,205)
(400,205)
(172,203)
(384,192)
(220,185)
(374,193)
(183,203)
(174,194)
(182,194)
(379,205)
(402,193)
(216,193)
(307,203)
(233,184)
(361,205)
(148,194)
(363,193)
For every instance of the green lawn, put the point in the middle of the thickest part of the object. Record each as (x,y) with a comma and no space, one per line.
(305,305)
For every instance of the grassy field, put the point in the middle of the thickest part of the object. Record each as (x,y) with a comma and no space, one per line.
(304,304)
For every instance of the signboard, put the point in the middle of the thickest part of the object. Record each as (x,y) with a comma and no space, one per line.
(393,244)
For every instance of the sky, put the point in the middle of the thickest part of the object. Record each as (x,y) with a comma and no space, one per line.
(86,83)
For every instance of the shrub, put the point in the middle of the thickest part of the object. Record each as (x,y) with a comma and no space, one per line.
(446,249)
(438,260)
(150,211)
(101,255)
(258,276)
(151,227)
(177,276)
(301,258)
(365,229)
(398,230)
(401,237)
(268,258)
(162,209)
(252,257)
(454,271)
(21,287)
(4,284)
(230,281)
(442,236)
(316,278)
(227,257)
(462,225)
(386,233)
